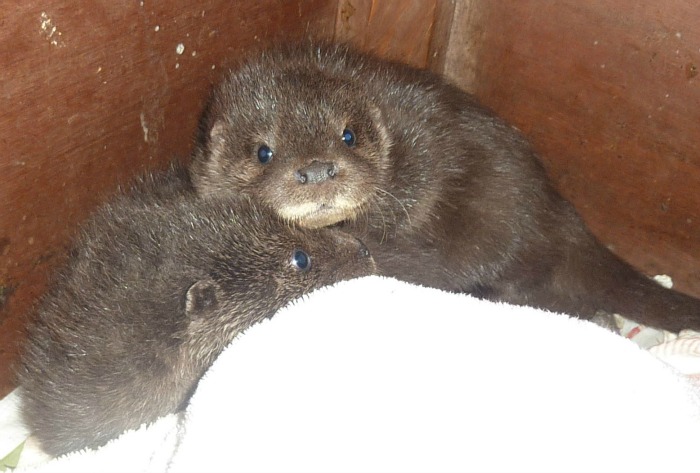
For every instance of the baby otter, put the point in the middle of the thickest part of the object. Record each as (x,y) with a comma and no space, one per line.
(157,285)
(442,191)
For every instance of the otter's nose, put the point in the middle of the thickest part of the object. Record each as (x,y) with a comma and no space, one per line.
(363,251)
(316,172)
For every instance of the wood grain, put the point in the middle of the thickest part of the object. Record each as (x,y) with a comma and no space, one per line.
(95,92)
(609,94)
(399,30)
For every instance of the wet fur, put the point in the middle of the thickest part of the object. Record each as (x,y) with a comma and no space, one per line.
(444,193)
(158,283)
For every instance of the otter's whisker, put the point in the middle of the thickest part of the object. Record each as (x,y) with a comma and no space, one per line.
(403,207)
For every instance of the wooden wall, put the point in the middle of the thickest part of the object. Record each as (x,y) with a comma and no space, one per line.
(608,92)
(410,31)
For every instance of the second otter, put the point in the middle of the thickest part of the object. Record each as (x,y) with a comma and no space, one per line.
(158,283)
(443,192)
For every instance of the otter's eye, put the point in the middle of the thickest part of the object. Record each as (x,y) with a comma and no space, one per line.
(348,137)
(301,260)
(264,154)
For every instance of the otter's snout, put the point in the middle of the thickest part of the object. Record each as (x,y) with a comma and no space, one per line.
(363,250)
(363,254)
(353,246)
(316,172)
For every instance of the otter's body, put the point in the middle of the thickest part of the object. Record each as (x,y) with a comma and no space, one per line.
(158,283)
(444,193)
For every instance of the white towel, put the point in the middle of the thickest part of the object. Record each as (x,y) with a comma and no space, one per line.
(378,375)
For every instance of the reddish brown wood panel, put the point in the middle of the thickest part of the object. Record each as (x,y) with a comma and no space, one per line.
(401,30)
(94,92)
(609,93)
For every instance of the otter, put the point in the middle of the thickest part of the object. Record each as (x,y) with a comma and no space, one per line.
(444,193)
(157,285)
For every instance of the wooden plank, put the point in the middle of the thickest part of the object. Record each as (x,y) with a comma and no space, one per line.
(458,59)
(442,35)
(94,92)
(609,94)
(395,29)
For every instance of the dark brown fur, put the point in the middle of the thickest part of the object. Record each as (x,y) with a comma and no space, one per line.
(159,282)
(444,193)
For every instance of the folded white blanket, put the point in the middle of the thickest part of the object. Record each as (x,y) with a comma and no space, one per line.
(378,375)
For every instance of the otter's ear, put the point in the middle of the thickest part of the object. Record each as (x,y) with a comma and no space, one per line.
(202,297)
(211,129)
(215,139)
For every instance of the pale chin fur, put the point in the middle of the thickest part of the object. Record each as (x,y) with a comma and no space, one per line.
(311,215)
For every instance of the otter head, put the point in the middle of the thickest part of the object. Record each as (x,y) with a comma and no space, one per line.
(245,264)
(303,140)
